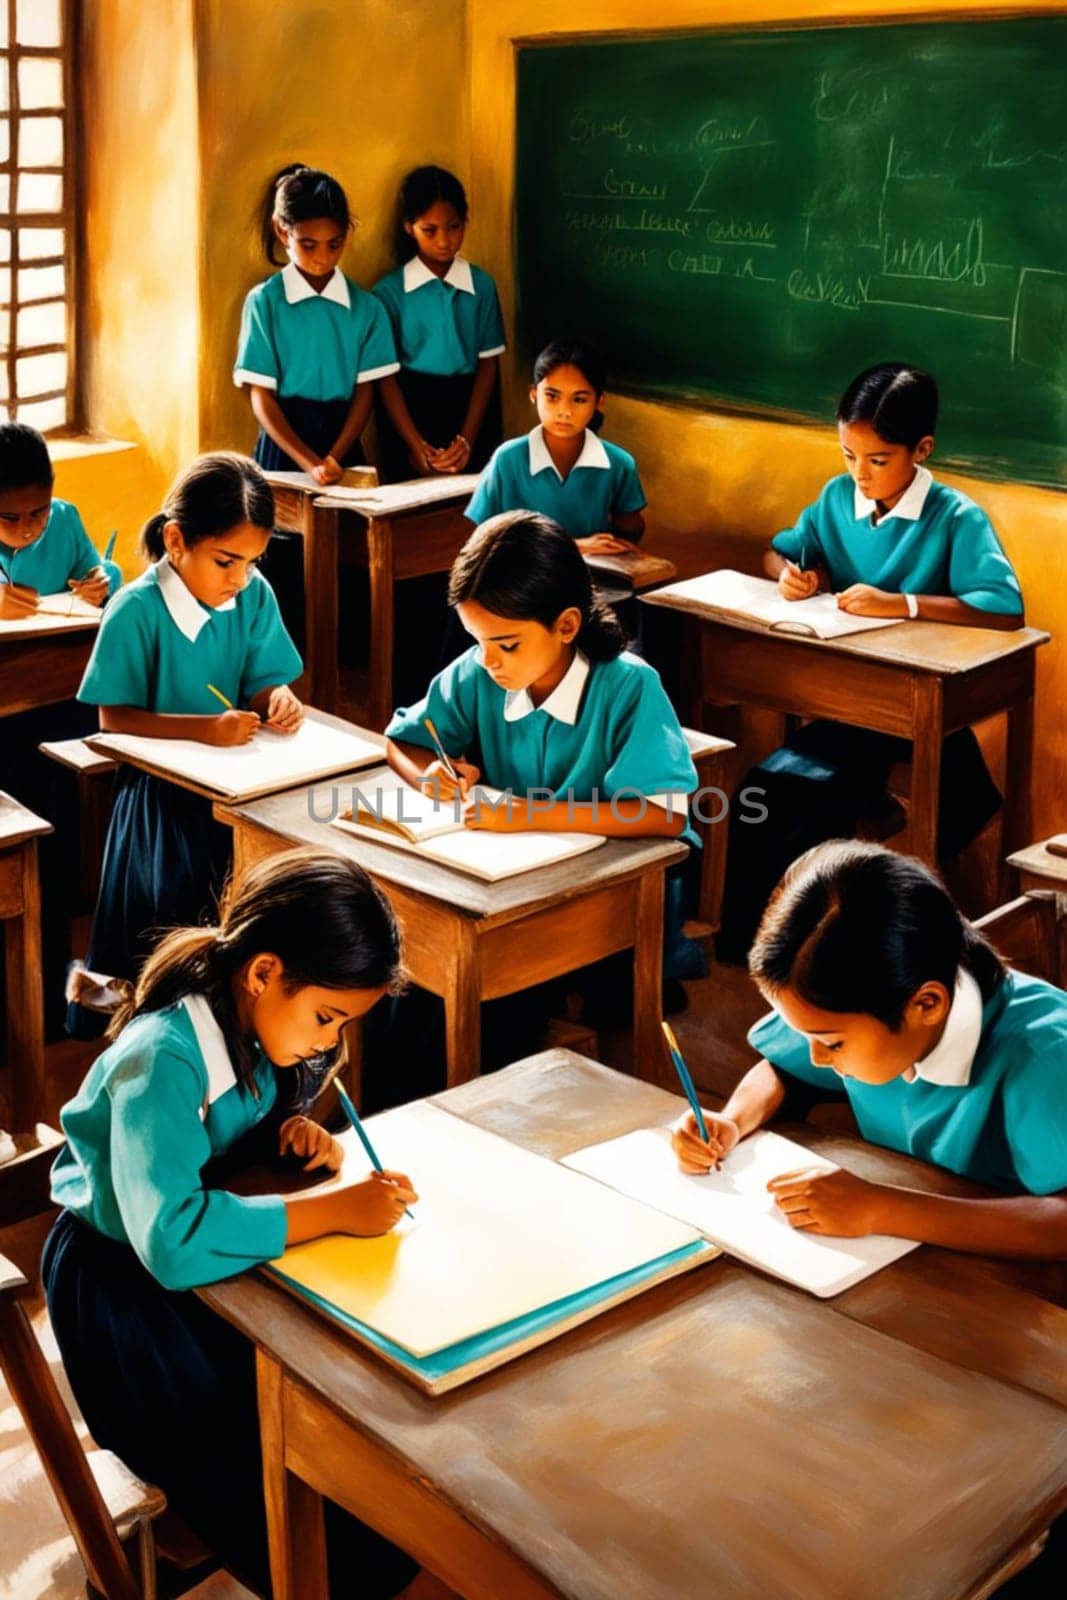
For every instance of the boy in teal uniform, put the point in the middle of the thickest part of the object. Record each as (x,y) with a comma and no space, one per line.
(889,542)
(882,991)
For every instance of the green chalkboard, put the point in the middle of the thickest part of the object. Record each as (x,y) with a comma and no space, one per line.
(748,219)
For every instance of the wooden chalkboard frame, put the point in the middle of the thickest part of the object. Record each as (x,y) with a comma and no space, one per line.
(1053,473)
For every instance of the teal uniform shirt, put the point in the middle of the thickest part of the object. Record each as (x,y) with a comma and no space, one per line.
(522,477)
(1001,1121)
(934,541)
(158,648)
(64,550)
(442,326)
(315,346)
(608,727)
(154,1108)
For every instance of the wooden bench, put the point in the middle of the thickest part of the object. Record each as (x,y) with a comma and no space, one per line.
(94,777)
(20,911)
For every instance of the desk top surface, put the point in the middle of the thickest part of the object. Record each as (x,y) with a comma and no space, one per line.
(295,815)
(722,1427)
(915,646)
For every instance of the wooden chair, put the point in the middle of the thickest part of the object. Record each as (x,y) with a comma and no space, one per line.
(94,777)
(101,1500)
(711,757)
(1031,934)
(20,910)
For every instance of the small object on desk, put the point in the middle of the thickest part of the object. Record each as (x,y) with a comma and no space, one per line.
(737,594)
(1057,845)
(357,1123)
(688,1087)
(359,478)
(220,696)
(439,747)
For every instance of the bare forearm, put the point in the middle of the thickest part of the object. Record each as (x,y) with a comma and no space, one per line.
(1030,1226)
(155,724)
(946,608)
(309,1216)
(408,760)
(628,525)
(756,1098)
(268,413)
(773,564)
(485,381)
(358,416)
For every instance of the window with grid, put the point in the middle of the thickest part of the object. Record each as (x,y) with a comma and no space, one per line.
(36,213)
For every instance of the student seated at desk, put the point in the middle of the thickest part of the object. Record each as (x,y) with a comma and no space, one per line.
(884,993)
(193,649)
(45,550)
(441,411)
(890,542)
(221,1017)
(548,704)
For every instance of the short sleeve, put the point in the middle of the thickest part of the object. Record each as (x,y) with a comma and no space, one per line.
(488,498)
(385,293)
(183,1234)
(451,703)
(649,753)
(377,354)
(628,495)
(980,574)
(491,337)
(788,1051)
(1035,1111)
(271,658)
(84,556)
(801,542)
(257,355)
(121,667)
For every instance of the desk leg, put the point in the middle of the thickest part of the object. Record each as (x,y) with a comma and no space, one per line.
(1018,768)
(382,620)
(926,769)
(463,1011)
(649,1060)
(296,1531)
(320,607)
(25,996)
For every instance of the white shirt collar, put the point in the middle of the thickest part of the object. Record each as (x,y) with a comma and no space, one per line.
(186,612)
(949,1063)
(593,453)
(562,703)
(297,287)
(211,1042)
(910,505)
(458,276)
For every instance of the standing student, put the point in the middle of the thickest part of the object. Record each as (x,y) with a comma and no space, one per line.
(220,1017)
(201,624)
(312,343)
(549,700)
(890,542)
(562,468)
(885,994)
(441,411)
(44,551)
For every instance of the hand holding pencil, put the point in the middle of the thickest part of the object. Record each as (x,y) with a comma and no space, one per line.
(700,1139)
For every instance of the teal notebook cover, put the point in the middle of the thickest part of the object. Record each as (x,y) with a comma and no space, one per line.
(454,1357)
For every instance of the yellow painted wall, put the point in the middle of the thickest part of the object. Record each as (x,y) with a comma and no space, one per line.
(139,355)
(364,90)
(720,485)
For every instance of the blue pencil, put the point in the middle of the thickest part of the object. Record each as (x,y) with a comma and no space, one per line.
(686,1081)
(354,1118)
(110,551)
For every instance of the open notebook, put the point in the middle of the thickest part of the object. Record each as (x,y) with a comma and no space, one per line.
(56,613)
(268,762)
(506,1249)
(389,811)
(732,1206)
(759,600)
(381,499)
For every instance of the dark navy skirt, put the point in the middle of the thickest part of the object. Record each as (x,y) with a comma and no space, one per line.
(165,862)
(819,785)
(171,1389)
(317,423)
(438,407)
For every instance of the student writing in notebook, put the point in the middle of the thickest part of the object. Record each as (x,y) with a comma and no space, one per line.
(221,1019)
(200,625)
(45,551)
(890,542)
(883,992)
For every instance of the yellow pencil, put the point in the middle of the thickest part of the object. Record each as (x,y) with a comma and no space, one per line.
(220,696)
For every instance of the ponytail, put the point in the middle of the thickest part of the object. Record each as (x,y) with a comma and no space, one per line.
(601,636)
(296,194)
(214,494)
(151,542)
(182,963)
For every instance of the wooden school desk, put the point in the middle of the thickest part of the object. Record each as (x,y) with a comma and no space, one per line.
(20,912)
(470,941)
(721,1435)
(43,668)
(919,680)
(424,536)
